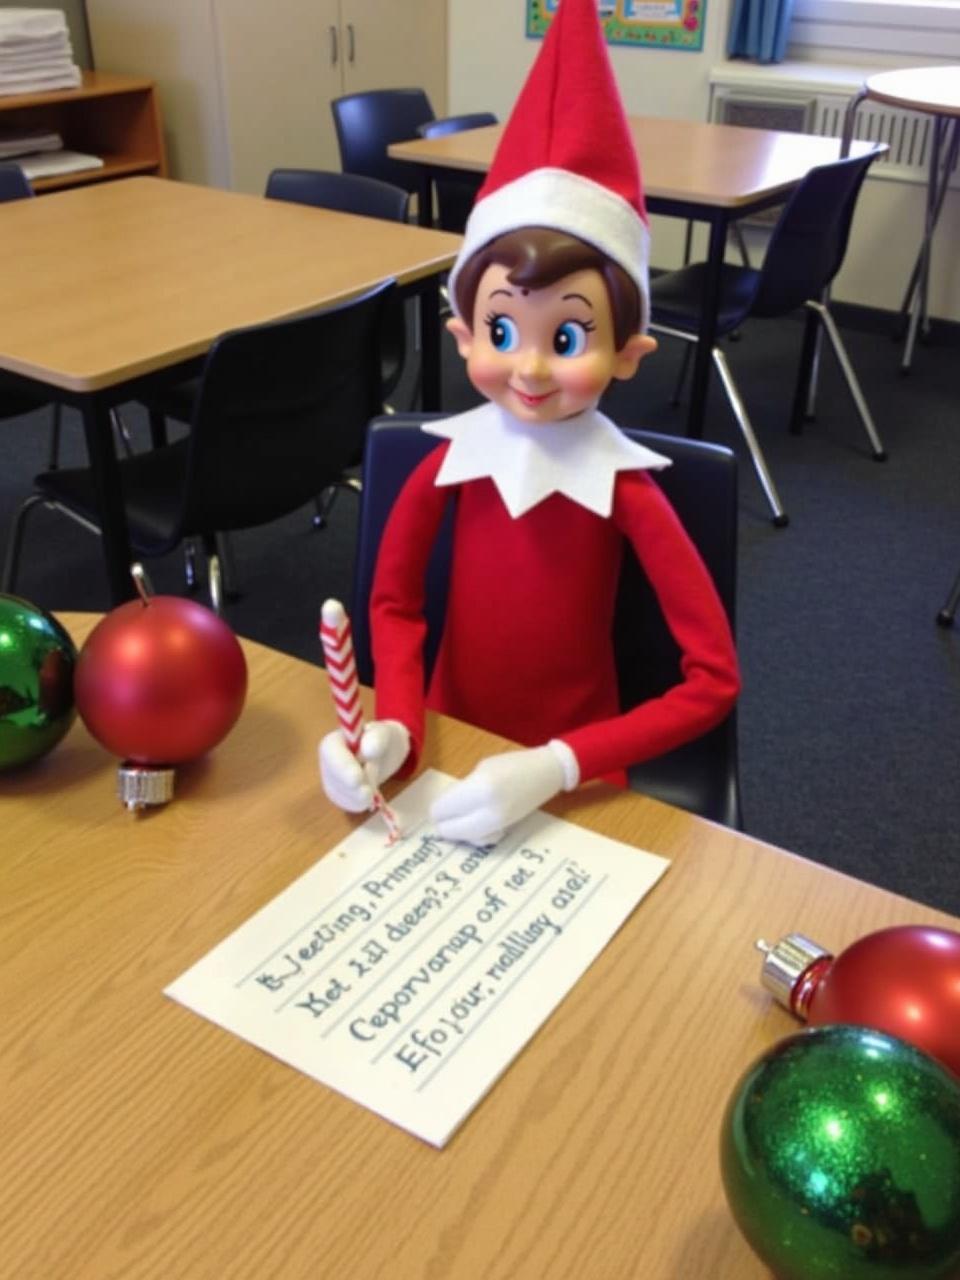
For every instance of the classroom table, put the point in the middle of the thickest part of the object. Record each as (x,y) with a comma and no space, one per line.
(110,289)
(936,92)
(703,172)
(142,1140)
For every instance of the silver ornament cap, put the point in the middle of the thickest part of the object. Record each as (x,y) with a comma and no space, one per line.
(143,786)
(786,962)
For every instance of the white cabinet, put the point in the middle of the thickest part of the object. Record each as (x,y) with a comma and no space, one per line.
(246,85)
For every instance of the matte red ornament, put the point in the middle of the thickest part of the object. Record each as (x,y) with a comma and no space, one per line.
(160,681)
(904,980)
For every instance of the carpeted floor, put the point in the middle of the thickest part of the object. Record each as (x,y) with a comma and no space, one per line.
(850,716)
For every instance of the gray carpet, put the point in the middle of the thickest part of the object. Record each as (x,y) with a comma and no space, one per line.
(850,715)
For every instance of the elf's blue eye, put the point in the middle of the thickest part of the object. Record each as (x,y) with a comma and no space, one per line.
(504,334)
(570,339)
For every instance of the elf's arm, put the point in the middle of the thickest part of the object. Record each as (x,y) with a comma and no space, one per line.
(710,679)
(397,621)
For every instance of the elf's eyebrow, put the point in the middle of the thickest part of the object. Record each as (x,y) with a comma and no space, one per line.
(506,293)
(568,296)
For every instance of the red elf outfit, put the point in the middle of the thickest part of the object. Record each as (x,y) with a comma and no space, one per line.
(545,510)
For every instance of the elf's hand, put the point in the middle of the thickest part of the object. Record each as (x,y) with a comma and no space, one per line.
(350,780)
(503,789)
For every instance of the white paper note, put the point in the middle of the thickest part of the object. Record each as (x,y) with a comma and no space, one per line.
(408,977)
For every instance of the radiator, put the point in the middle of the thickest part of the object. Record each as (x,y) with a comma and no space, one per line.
(908,134)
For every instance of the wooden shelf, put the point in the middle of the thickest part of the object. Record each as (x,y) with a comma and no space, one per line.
(112,116)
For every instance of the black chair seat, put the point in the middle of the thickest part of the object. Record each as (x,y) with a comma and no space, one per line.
(677,297)
(152,486)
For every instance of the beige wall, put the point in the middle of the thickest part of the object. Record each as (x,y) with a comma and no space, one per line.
(489,56)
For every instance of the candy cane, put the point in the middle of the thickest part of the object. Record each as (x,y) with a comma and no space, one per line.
(336,638)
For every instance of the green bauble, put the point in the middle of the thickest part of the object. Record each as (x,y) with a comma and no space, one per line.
(37,659)
(840,1154)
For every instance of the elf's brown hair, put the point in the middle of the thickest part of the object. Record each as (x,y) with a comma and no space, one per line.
(536,257)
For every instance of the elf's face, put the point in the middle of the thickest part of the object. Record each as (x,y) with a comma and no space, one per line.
(544,354)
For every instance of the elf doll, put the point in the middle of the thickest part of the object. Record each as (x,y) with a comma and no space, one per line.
(550,302)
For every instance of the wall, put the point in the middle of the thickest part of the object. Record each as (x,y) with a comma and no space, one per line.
(489,57)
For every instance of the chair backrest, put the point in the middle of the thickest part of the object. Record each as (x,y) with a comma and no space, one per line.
(14,183)
(809,241)
(282,410)
(702,485)
(371,198)
(342,192)
(366,123)
(456,189)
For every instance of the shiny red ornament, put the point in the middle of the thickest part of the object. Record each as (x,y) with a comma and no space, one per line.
(160,681)
(904,980)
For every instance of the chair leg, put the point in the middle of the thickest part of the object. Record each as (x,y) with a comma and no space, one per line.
(780,517)
(227,566)
(11,563)
(123,432)
(324,504)
(802,408)
(948,612)
(215,584)
(190,564)
(853,384)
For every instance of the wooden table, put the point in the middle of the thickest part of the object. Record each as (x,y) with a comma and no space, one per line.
(936,91)
(712,173)
(109,289)
(142,1141)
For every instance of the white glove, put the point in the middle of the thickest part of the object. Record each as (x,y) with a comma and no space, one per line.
(350,780)
(503,789)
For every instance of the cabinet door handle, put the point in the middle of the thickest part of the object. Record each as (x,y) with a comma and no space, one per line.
(334,47)
(352,46)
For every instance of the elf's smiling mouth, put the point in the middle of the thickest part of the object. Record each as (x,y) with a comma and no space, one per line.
(531,401)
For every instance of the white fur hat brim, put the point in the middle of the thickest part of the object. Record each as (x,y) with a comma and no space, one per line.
(562,201)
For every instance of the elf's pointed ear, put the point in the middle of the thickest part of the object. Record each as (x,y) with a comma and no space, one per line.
(462,334)
(627,359)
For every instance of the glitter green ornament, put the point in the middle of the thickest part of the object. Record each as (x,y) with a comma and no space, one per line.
(37,659)
(840,1155)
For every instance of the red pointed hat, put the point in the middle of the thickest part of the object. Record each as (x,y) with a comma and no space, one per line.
(566,159)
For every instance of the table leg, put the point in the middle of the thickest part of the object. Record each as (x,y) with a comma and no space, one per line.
(707,333)
(946,143)
(424,197)
(430,336)
(112,516)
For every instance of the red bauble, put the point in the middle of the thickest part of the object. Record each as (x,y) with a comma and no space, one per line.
(160,682)
(905,981)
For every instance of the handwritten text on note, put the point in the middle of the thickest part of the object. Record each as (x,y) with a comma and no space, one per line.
(375,969)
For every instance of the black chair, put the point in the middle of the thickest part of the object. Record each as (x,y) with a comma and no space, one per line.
(366,124)
(282,408)
(701,776)
(805,252)
(455,189)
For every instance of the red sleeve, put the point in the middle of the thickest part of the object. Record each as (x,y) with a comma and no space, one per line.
(698,622)
(397,623)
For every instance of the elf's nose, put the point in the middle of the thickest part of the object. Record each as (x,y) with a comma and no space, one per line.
(533,365)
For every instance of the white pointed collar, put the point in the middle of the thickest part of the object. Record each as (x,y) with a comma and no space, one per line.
(578,457)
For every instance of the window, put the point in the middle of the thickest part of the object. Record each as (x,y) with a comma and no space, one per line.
(907,28)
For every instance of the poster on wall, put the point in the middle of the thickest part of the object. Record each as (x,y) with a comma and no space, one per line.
(659,24)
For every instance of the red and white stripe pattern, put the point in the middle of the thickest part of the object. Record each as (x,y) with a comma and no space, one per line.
(337,640)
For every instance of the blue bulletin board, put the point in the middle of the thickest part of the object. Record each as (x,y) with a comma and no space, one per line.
(659,24)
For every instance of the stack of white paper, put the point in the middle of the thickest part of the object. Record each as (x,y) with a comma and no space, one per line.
(24,142)
(35,51)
